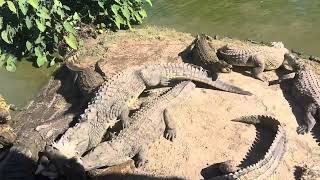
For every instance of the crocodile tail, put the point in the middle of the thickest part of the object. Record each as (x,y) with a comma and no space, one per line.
(263,120)
(229,88)
(195,73)
(268,165)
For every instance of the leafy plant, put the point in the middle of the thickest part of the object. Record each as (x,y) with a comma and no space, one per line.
(46,30)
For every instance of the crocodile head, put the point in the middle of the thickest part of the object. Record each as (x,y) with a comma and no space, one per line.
(53,165)
(181,90)
(292,62)
(151,76)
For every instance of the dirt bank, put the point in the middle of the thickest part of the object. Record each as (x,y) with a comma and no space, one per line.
(205,133)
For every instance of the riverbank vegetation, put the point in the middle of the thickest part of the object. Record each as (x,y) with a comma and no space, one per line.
(45,31)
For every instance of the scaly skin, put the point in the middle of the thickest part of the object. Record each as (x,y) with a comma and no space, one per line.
(306,90)
(270,162)
(259,57)
(203,54)
(148,125)
(87,80)
(112,100)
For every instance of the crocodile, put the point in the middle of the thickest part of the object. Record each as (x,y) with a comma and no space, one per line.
(306,90)
(87,80)
(258,57)
(116,94)
(271,160)
(204,55)
(147,125)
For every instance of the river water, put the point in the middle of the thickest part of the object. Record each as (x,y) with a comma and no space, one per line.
(21,86)
(294,22)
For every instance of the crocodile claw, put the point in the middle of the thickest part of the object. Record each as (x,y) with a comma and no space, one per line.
(303,129)
(226,70)
(170,134)
(140,162)
(262,78)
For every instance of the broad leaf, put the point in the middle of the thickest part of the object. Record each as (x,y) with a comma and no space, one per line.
(40,25)
(11,67)
(28,22)
(11,63)
(76,16)
(28,45)
(71,41)
(12,7)
(2,2)
(52,62)
(1,23)
(149,2)
(69,28)
(6,37)
(143,13)
(34,3)
(23,5)
(125,12)
(37,52)
(44,13)
(115,8)
(41,60)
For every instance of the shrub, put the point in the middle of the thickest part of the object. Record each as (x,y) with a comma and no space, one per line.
(46,29)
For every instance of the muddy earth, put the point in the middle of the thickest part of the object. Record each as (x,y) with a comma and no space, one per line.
(205,134)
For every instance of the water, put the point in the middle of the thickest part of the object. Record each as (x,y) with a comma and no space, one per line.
(294,22)
(20,87)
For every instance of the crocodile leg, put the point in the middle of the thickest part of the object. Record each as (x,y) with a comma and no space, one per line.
(124,116)
(283,78)
(170,131)
(141,158)
(311,110)
(259,64)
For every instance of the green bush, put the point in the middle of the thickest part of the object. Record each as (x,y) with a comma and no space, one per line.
(46,29)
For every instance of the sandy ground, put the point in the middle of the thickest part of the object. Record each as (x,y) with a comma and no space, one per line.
(205,134)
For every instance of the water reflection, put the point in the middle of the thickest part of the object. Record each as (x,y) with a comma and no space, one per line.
(295,22)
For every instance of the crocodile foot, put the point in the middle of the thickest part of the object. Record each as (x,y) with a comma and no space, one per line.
(303,129)
(170,134)
(261,77)
(140,160)
(226,70)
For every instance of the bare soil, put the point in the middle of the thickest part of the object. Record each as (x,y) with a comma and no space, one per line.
(205,134)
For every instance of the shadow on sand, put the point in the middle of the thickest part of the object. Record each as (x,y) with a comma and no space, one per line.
(259,148)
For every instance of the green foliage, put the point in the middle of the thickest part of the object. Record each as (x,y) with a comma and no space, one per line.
(46,29)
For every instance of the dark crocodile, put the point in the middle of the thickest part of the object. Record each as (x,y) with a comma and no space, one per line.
(87,80)
(204,55)
(114,96)
(306,90)
(271,160)
(147,125)
(259,57)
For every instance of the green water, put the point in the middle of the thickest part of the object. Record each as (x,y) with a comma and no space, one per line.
(294,22)
(20,87)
